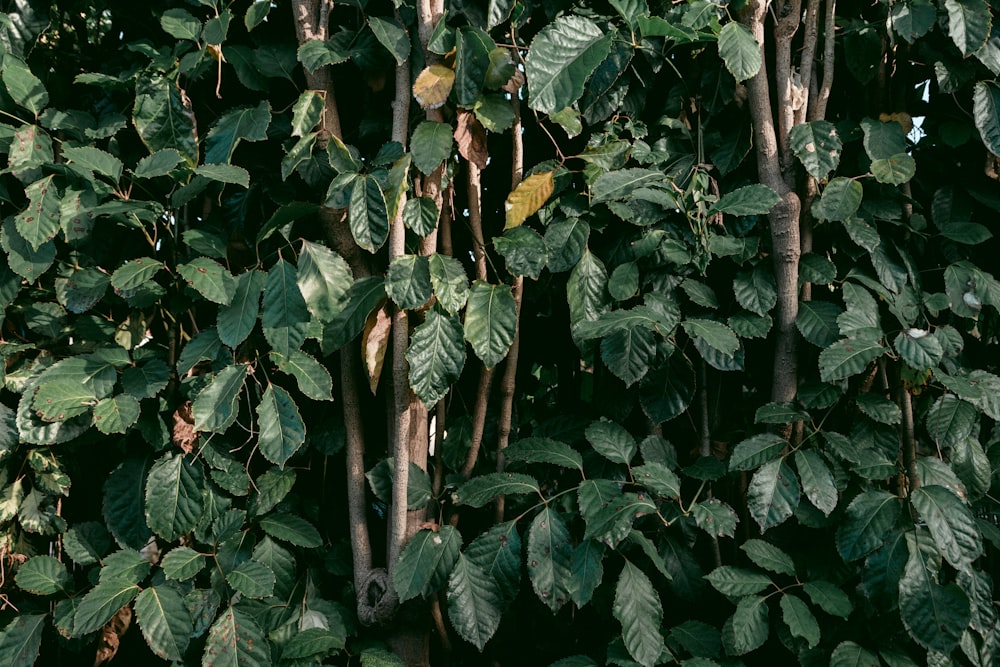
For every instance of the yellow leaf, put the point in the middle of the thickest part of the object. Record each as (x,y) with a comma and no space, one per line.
(432,87)
(528,197)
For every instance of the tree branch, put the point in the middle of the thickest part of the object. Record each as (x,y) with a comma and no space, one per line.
(818,112)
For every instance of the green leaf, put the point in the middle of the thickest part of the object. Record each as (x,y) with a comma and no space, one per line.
(561,58)
(182,563)
(748,200)
(282,431)
(817,480)
(658,478)
(637,607)
(919,349)
(629,353)
(951,524)
(426,562)
(225,173)
(870,518)
(714,334)
(96,160)
(420,214)
(544,450)
(314,643)
(215,407)
(160,163)
(324,279)
(431,145)
(408,281)
(737,581)
(21,640)
(270,489)
(124,494)
(935,615)
(252,579)
(174,500)
(773,494)
(285,316)
(847,358)
(756,290)
(237,320)
(779,413)
(618,185)
(316,53)
(840,200)
(436,356)
(63,399)
(829,598)
(850,654)
(163,117)
(986,111)
(587,571)
(817,146)
(969,24)
(474,603)
(490,321)
(894,170)
(392,36)
(769,557)
(236,640)
(549,557)
(210,279)
(367,214)
(498,553)
(612,523)
(365,295)
(418,487)
(22,85)
(256,13)
(313,379)
(757,450)
(800,621)
(480,490)
(135,273)
(39,223)
(747,629)
(117,414)
(739,50)
(42,575)
(950,420)
(101,603)
(23,259)
(181,24)
(165,621)
(879,408)
(612,441)
(292,529)
(449,281)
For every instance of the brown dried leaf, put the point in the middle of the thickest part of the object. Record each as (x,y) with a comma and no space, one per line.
(374,343)
(111,635)
(433,85)
(515,83)
(184,435)
(470,135)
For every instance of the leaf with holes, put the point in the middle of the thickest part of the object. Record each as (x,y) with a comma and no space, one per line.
(817,146)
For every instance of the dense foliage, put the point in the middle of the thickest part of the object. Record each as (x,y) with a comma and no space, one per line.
(563,333)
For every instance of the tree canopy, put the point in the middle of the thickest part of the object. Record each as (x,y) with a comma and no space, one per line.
(564,333)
